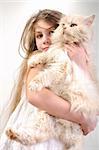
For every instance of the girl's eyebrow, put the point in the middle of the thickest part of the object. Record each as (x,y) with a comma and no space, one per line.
(52,27)
(37,32)
(48,29)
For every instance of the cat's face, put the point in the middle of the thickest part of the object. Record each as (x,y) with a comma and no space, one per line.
(74,29)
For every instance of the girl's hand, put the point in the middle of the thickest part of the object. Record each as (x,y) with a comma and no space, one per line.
(78,54)
(88,124)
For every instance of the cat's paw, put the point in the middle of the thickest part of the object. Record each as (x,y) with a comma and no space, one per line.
(33,86)
(31,64)
(11,134)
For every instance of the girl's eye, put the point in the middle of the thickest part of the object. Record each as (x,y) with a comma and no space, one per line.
(51,32)
(73,24)
(39,36)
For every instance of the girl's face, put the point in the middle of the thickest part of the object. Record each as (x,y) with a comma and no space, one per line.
(43,31)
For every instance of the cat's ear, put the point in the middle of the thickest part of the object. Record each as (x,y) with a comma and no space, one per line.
(89,20)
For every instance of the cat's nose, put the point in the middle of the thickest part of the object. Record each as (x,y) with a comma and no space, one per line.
(64,28)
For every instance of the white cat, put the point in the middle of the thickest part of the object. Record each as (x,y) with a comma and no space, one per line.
(67,80)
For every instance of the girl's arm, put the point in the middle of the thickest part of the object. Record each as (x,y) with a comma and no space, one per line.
(56,106)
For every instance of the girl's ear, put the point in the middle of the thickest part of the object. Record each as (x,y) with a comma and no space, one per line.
(89,20)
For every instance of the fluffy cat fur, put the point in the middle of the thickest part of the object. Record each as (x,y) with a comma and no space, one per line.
(67,80)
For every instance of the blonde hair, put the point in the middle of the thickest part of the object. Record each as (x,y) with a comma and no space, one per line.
(27,42)
(28,45)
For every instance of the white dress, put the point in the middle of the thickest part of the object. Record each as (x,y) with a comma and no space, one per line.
(21,116)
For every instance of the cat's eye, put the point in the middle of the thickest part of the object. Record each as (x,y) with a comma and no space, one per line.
(63,24)
(73,24)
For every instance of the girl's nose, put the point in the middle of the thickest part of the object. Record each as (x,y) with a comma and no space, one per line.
(47,40)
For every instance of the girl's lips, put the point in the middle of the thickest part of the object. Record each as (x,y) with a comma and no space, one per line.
(45,49)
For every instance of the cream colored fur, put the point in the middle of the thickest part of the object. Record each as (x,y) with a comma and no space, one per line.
(67,80)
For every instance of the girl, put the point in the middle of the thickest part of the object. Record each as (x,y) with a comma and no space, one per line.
(37,35)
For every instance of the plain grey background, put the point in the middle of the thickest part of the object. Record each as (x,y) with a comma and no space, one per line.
(13,16)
